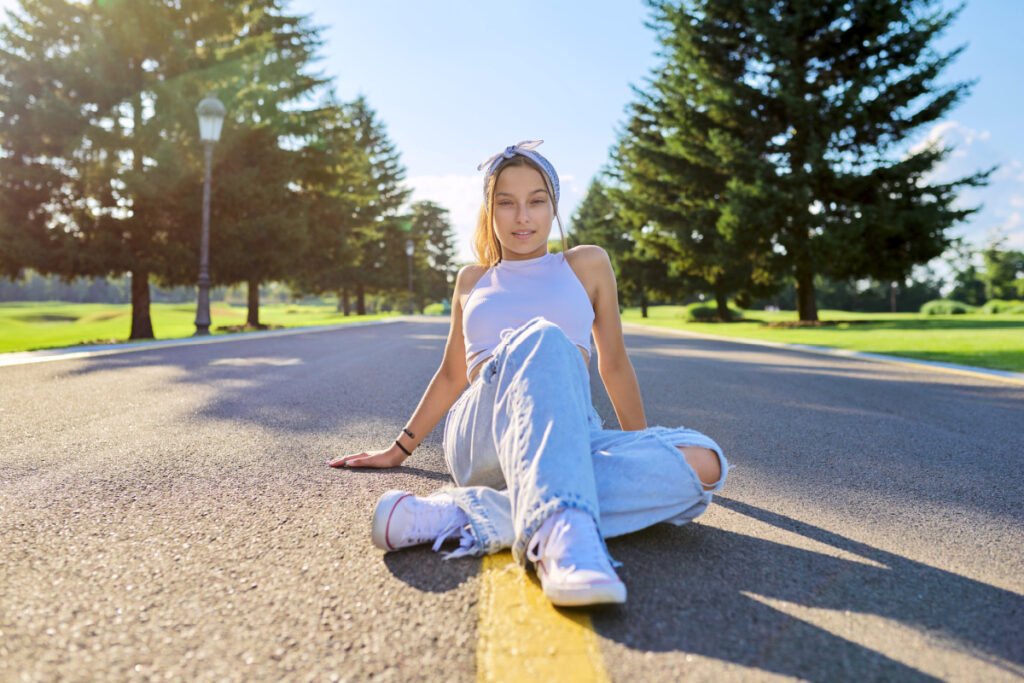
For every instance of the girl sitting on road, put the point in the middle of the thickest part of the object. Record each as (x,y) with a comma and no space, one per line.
(535,471)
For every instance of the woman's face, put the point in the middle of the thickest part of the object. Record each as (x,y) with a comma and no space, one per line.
(522,205)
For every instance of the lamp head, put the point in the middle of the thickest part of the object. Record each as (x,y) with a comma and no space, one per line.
(211,113)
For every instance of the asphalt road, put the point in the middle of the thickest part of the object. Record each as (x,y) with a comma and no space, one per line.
(168,515)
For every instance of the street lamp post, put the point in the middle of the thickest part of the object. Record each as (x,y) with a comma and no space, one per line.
(408,251)
(211,117)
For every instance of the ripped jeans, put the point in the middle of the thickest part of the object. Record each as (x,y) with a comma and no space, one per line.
(524,440)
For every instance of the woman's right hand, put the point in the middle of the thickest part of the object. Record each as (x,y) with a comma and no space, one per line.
(390,457)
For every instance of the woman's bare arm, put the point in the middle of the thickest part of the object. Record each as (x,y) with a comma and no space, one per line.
(440,395)
(444,389)
(614,365)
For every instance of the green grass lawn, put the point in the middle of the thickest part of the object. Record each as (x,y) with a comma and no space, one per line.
(26,326)
(988,341)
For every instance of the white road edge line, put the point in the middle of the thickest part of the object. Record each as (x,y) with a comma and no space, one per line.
(1012,377)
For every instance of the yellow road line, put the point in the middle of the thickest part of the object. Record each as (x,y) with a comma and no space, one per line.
(523,637)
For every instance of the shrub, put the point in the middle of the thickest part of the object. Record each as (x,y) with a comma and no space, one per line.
(996,306)
(946,307)
(704,313)
(441,308)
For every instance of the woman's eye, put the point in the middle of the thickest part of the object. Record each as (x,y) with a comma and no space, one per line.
(538,201)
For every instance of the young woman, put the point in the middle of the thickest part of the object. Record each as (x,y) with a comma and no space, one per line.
(535,469)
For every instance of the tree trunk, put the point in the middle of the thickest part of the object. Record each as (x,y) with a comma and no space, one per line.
(643,305)
(360,300)
(343,301)
(253,319)
(807,306)
(892,296)
(722,302)
(142,324)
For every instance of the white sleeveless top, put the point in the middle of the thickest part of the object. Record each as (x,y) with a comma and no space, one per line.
(512,292)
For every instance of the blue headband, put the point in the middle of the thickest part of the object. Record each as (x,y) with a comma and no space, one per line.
(525,149)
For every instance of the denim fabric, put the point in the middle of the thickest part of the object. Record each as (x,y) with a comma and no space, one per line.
(524,440)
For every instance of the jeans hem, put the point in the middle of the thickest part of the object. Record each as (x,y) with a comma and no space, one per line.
(484,535)
(540,515)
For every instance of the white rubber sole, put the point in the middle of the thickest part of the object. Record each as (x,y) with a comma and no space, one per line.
(382,518)
(582,596)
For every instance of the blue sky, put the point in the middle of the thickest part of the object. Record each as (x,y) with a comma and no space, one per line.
(456,81)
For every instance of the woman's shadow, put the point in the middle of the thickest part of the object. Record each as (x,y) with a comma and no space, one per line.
(690,586)
(688,591)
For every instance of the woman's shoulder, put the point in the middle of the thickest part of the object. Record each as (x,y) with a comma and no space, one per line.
(470,274)
(587,260)
(586,254)
(588,263)
(467,278)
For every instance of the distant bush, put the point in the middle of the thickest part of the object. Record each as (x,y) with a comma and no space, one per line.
(437,309)
(704,313)
(946,307)
(996,306)
(1015,310)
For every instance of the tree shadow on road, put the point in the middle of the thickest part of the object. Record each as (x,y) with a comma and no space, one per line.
(691,586)
(338,383)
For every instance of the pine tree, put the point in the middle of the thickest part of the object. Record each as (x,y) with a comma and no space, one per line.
(260,222)
(336,184)
(822,96)
(597,220)
(434,256)
(101,165)
(379,223)
(687,164)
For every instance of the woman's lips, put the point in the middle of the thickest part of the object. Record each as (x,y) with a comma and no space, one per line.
(524,237)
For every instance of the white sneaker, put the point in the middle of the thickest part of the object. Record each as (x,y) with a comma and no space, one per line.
(402,519)
(571,562)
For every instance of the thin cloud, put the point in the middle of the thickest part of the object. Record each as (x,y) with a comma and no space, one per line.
(975,150)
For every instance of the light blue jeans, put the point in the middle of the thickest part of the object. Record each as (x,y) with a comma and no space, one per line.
(524,440)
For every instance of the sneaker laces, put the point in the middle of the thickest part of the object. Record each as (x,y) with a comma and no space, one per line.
(448,531)
(429,514)
(467,544)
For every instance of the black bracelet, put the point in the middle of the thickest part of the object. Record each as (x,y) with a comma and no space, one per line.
(408,433)
(402,447)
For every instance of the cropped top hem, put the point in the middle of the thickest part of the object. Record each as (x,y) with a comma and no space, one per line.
(511,293)
(484,357)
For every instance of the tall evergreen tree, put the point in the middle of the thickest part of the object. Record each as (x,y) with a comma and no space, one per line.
(821,96)
(379,224)
(435,251)
(597,220)
(99,133)
(687,163)
(336,184)
(260,217)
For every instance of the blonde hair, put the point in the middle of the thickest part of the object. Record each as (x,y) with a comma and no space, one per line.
(486,246)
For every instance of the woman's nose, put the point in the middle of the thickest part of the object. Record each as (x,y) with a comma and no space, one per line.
(522,214)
